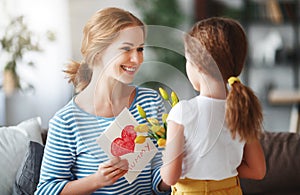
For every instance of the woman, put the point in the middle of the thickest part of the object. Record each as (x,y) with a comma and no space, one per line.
(73,163)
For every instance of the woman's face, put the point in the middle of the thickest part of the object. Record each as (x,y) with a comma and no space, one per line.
(122,59)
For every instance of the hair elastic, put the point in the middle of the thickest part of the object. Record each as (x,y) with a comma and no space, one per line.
(232,80)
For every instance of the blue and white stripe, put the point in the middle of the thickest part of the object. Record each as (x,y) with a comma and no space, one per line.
(71,151)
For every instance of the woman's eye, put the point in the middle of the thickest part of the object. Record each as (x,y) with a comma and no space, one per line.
(140,49)
(126,48)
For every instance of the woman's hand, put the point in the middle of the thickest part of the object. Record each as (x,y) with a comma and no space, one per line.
(110,171)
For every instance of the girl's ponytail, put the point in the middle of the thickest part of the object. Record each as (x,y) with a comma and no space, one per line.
(79,74)
(243,111)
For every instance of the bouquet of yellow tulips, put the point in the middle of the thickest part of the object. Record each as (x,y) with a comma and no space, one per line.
(154,129)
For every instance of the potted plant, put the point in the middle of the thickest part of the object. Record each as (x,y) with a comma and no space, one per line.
(17,40)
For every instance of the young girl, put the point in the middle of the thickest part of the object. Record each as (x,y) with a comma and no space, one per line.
(214,138)
(73,162)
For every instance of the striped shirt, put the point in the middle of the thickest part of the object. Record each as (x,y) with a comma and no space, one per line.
(71,151)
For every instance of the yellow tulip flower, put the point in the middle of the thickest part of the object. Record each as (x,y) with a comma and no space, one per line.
(140,139)
(141,128)
(164,117)
(141,111)
(155,128)
(163,93)
(161,142)
(153,121)
(174,98)
(162,130)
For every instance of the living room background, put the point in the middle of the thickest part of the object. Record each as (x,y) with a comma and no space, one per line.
(66,19)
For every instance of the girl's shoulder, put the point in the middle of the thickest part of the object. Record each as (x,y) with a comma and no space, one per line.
(188,104)
(186,108)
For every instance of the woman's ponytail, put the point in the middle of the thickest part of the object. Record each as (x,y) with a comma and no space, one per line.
(79,74)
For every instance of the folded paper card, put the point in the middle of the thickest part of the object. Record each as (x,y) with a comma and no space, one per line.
(118,140)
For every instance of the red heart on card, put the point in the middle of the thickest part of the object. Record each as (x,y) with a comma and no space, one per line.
(124,144)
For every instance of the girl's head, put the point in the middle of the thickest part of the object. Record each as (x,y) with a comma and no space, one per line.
(102,29)
(217,41)
(217,47)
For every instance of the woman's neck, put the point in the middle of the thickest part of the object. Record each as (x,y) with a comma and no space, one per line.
(105,97)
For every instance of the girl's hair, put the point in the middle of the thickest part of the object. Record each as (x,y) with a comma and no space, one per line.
(99,32)
(223,42)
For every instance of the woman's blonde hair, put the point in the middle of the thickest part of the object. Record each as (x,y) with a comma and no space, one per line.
(225,41)
(99,32)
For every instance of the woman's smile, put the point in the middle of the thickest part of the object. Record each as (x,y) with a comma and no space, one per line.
(129,69)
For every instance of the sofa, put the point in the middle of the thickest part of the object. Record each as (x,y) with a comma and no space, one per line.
(282,153)
(21,150)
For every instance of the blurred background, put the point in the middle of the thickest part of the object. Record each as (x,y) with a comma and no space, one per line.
(39,37)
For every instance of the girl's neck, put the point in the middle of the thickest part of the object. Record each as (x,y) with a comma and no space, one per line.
(212,88)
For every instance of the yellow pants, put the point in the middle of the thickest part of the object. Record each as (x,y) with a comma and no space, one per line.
(230,186)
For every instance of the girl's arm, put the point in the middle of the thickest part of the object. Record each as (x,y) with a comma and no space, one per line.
(253,165)
(172,167)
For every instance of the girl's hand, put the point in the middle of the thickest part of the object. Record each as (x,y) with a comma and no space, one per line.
(110,171)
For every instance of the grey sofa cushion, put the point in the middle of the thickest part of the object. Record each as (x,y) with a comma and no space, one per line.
(282,153)
(28,174)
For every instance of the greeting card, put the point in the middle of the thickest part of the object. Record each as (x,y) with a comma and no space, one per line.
(118,140)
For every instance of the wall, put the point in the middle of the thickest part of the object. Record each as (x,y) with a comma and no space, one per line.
(81,11)
(277,75)
(66,18)
(51,90)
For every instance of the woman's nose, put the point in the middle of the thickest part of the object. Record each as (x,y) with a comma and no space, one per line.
(136,57)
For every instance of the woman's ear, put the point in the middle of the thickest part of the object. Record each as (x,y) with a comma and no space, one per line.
(97,57)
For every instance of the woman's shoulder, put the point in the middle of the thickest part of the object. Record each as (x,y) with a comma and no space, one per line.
(65,113)
(146,90)
(147,93)
(68,107)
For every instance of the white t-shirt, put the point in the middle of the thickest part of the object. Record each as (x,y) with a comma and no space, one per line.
(210,151)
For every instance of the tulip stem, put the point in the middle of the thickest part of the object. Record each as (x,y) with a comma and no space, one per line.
(170,103)
(148,121)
